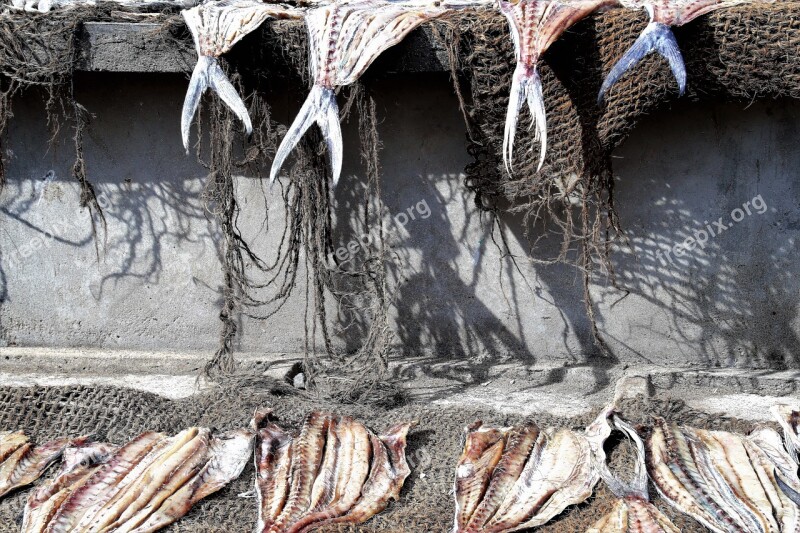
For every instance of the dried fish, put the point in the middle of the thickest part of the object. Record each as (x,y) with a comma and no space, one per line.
(724,480)
(658,36)
(141,487)
(535,25)
(80,462)
(633,511)
(23,463)
(216,27)
(509,479)
(334,471)
(345,37)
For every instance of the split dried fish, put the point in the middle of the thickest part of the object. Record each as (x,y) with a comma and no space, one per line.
(334,471)
(23,463)
(80,462)
(216,27)
(141,487)
(345,37)
(508,479)
(727,482)
(535,25)
(658,37)
(633,511)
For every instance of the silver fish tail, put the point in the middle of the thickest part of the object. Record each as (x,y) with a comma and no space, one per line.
(526,86)
(208,74)
(319,107)
(657,37)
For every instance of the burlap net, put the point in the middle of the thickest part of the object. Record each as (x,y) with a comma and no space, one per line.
(426,505)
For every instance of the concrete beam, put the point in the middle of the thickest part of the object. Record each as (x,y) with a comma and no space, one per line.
(140,47)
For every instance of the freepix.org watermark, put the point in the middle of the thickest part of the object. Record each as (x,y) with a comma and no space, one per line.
(419,211)
(701,237)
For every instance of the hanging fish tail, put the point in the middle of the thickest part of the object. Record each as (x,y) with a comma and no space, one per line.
(526,86)
(208,74)
(656,37)
(319,107)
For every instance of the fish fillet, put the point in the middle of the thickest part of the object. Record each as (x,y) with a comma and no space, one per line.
(334,471)
(80,462)
(24,463)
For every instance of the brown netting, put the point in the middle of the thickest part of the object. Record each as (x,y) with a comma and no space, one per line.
(738,54)
(426,504)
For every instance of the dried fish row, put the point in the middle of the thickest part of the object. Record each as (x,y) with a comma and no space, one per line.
(508,479)
(22,463)
(143,486)
(727,482)
(334,471)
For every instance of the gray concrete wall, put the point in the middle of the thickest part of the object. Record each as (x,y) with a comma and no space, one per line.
(157,285)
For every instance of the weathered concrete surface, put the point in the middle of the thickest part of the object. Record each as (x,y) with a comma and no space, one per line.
(157,285)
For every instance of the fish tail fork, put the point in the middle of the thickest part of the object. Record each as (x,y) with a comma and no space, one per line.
(526,86)
(208,74)
(657,37)
(319,107)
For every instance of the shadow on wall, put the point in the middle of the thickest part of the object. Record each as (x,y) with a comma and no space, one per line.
(462,305)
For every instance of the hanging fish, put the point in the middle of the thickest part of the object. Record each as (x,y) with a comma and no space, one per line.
(335,471)
(216,27)
(632,511)
(508,479)
(344,39)
(535,25)
(658,36)
(22,463)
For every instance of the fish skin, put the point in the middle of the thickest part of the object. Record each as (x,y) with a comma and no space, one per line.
(472,473)
(216,27)
(777,472)
(520,441)
(11,441)
(28,462)
(162,480)
(351,472)
(80,462)
(387,476)
(95,491)
(228,454)
(345,37)
(273,459)
(306,459)
(788,416)
(535,25)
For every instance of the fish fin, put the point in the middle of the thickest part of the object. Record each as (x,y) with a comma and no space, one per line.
(332,131)
(538,116)
(656,37)
(515,101)
(319,107)
(197,86)
(788,490)
(220,83)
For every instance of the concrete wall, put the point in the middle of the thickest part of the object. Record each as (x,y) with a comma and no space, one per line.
(157,285)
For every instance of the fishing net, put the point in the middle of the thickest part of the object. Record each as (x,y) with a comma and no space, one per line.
(426,504)
(736,54)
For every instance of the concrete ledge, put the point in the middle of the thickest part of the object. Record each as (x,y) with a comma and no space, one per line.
(140,47)
(508,388)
